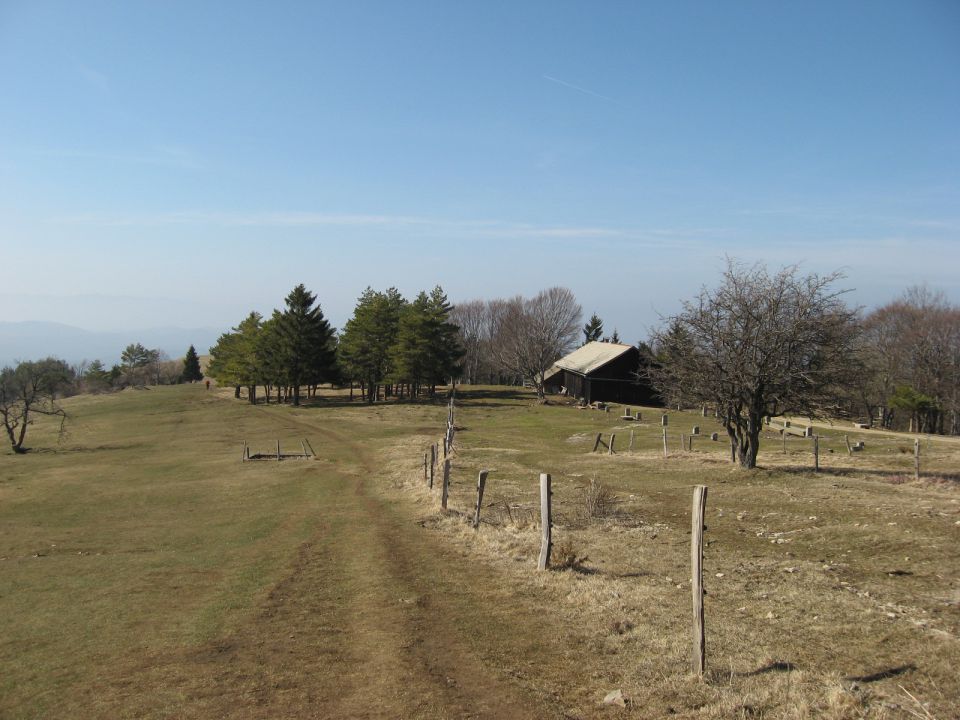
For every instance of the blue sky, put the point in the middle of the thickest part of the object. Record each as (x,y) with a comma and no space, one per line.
(182,163)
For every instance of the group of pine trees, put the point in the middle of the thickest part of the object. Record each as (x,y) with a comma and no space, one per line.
(404,348)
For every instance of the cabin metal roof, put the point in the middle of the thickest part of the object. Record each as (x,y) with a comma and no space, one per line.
(590,357)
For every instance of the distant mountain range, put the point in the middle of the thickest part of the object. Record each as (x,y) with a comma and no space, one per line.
(34,340)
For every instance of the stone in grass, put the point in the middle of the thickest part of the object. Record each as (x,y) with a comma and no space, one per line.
(615,698)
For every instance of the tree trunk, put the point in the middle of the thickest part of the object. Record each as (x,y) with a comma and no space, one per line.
(296,395)
(236,392)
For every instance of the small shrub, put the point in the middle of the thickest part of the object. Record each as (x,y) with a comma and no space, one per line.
(564,556)
(598,500)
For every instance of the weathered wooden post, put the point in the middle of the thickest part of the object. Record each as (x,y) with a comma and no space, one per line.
(312,451)
(630,447)
(663,420)
(696,582)
(546,522)
(278,449)
(613,436)
(846,439)
(597,443)
(816,453)
(433,465)
(683,442)
(424,467)
(244,453)
(690,444)
(304,446)
(783,437)
(664,442)
(446,484)
(443,441)
(481,484)
(916,459)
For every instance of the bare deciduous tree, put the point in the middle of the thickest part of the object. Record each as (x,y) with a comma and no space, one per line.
(529,335)
(914,355)
(760,345)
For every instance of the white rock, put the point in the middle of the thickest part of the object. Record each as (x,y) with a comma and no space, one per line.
(615,698)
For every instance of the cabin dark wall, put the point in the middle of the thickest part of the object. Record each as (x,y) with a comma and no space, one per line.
(614,382)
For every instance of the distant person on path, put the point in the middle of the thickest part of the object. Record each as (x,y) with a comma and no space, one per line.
(208,384)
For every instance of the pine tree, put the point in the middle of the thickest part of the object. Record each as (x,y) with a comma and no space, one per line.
(615,338)
(233,360)
(410,355)
(366,345)
(445,350)
(191,366)
(593,330)
(304,341)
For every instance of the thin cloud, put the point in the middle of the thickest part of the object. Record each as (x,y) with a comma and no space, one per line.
(579,89)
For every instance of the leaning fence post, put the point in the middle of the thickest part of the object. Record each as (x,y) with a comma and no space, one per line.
(546,524)
(613,436)
(916,459)
(696,563)
(846,439)
(481,484)
(446,484)
(597,443)
(243,456)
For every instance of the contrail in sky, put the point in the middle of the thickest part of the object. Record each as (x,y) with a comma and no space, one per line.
(558,81)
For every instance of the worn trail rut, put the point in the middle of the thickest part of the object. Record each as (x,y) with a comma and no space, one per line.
(374,618)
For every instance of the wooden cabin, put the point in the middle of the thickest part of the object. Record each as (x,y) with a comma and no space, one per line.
(601,372)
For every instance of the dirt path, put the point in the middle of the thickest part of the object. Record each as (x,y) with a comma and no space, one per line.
(374,618)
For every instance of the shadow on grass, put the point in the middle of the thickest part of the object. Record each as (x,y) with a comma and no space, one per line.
(776,666)
(895,477)
(882,675)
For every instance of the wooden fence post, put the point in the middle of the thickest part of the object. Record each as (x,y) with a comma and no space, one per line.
(312,451)
(246,453)
(696,581)
(916,459)
(613,436)
(304,446)
(690,443)
(424,467)
(546,522)
(481,484)
(597,443)
(816,453)
(278,449)
(446,484)
(683,442)
(433,466)
(630,447)
(846,439)
(664,442)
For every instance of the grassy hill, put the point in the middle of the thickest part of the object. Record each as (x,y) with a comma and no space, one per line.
(147,572)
